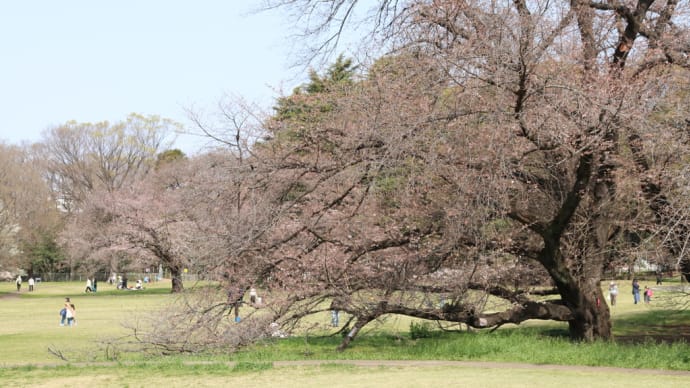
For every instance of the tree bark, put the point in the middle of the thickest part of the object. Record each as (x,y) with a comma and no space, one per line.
(176,275)
(582,295)
(591,318)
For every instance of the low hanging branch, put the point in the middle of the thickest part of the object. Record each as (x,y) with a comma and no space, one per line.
(457,313)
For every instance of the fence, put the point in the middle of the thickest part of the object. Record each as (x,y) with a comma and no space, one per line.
(100,276)
(103,277)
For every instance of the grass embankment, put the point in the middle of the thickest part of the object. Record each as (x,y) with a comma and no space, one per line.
(30,329)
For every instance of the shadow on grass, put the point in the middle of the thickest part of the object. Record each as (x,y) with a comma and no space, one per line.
(656,325)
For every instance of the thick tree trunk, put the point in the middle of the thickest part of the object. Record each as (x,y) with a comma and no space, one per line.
(591,318)
(685,269)
(176,275)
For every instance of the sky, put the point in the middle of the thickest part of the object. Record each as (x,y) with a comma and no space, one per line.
(91,61)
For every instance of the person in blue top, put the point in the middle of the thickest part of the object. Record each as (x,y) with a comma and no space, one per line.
(636,291)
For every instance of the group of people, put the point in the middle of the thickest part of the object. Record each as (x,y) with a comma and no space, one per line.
(68,314)
(123,283)
(236,299)
(91,286)
(31,281)
(647,295)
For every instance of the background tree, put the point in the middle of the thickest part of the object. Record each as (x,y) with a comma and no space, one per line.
(144,221)
(313,97)
(83,160)
(29,217)
(84,157)
(224,200)
(169,156)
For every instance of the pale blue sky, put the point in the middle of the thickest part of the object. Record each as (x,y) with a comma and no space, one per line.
(90,60)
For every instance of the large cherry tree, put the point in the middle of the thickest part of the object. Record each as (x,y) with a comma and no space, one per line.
(517,132)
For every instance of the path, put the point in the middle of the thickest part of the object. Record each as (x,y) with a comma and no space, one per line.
(405,363)
(481,364)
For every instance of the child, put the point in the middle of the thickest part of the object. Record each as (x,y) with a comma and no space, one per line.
(63,316)
(71,316)
(63,311)
(70,313)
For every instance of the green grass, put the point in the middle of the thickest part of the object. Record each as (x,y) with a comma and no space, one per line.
(31,324)
(528,345)
(30,328)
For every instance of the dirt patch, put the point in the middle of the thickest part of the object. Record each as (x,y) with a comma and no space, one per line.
(9,295)
(480,364)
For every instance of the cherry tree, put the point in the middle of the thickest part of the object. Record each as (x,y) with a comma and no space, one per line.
(498,146)
(144,221)
(497,133)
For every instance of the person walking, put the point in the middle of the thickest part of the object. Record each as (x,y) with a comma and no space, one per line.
(31,284)
(63,312)
(636,291)
(19,282)
(613,293)
(235,300)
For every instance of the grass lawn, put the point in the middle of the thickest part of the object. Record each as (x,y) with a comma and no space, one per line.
(30,329)
(31,319)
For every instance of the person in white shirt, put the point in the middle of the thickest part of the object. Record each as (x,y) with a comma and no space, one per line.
(613,293)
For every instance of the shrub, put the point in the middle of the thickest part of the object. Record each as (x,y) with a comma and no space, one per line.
(420,330)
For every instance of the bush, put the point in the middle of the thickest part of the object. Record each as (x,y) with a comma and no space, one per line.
(420,330)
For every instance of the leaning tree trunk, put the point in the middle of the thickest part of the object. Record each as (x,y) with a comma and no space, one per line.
(359,324)
(591,316)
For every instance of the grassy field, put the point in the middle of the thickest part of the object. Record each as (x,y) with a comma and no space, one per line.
(30,330)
